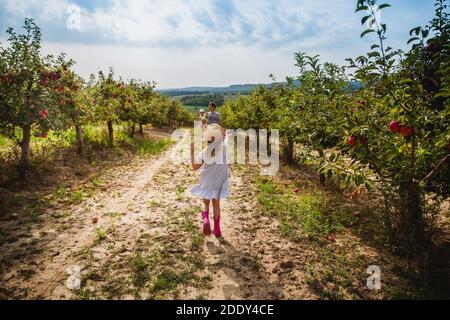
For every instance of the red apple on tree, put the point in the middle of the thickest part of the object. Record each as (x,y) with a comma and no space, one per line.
(394,126)
(351,141)
(406,131)
(433,47)
(363,140)
(43,114)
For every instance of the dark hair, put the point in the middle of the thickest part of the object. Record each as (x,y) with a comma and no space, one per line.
(213,104)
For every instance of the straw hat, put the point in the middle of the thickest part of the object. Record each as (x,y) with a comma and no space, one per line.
(213,130)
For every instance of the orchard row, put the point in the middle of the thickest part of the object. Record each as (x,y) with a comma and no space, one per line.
(382,121)
(41,93)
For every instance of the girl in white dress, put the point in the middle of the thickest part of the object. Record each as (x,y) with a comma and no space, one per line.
(213,184)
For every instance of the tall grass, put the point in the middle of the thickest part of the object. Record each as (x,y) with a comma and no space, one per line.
(4,141)
(144,146)
(93,136)
(307,213)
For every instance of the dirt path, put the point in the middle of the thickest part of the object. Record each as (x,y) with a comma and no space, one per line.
(147,244)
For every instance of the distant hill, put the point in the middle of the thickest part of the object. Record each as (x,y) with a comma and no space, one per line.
(233,89)
(230,90)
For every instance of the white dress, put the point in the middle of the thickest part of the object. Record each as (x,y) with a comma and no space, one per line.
(214,174)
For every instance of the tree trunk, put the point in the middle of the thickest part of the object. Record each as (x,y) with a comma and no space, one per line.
(141,129)
(322,179)
(289,152)
(414,202)
(79,134)
(25,146)
(412,230)
(132,130)
(111,133)
(414,214)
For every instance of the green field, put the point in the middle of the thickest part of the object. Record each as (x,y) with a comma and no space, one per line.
(195,109)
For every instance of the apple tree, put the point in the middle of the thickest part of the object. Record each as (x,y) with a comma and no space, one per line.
(404,115)
(106,94)
(27,88)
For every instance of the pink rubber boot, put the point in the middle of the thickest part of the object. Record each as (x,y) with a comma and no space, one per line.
(206,223)
(217,231)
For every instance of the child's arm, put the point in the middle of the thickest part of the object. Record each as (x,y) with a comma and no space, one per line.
(195,166)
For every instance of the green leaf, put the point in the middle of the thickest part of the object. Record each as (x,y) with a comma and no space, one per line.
(364,20)
(374,54)
(413,39)
(368,185)
(415,30)
(362,8)
(367,32)
(384,5)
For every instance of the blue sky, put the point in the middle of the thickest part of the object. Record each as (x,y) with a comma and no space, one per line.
(180,43)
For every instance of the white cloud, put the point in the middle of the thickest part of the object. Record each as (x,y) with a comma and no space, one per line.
(47,10)
(206,42)
(202,22)
(146,21)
